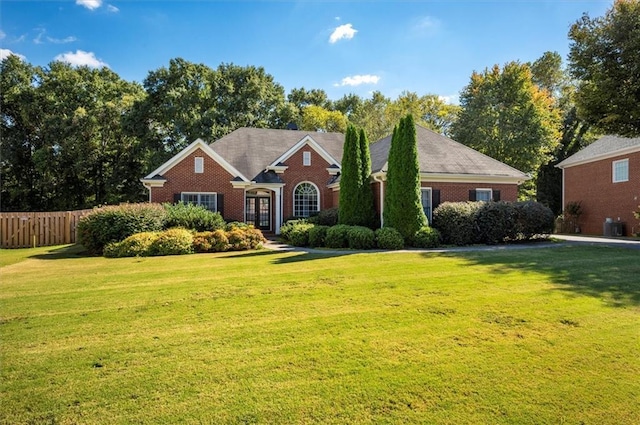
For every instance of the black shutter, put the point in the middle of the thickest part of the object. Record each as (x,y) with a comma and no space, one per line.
(435,199)
(496,195)
(177,197)
(220,203)
(472,195)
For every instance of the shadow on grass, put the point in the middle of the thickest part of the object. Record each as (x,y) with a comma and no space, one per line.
(608,273)
(65,252)
(287,257)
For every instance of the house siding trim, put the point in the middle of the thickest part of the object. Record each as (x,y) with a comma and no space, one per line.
(305,141)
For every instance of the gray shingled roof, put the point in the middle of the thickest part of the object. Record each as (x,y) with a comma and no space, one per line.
(606,145)
(440,155)
(251,150)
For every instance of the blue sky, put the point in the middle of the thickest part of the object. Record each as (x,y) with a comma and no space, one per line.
(338,46)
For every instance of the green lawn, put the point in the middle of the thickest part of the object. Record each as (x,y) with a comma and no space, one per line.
(539,336)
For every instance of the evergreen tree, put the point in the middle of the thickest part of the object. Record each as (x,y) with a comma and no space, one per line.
(350,179)
(402,206)
(367,208)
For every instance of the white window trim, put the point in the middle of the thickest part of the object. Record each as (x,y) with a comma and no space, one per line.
(215,196)
(613,170)
(306,158)
(424,189)
(293,199)
(484,189)
(198,165)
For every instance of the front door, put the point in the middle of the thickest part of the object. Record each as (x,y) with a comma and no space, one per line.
(258,212)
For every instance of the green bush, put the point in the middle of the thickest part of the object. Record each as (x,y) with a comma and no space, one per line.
(215,241)
(360,237)
(317,235)
(134,246)
(175,241)
(244,237)
(328,217)
(389,238)
(496,222)
(288,226)
(534,219)
(337,236)
(456,222)
(117,222)
(299,234)
(193,217)
(426,237)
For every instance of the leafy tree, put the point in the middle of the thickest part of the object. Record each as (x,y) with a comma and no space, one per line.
(367,207)
(317,118)
(429,111)
(349,104)
(371,116)
(507,117)
(302,98)
(402,207)
(350,179)
(605,57)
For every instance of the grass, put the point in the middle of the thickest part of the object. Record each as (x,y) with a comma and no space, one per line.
(540,336)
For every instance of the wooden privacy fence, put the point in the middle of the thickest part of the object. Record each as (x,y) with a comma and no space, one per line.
(32,229)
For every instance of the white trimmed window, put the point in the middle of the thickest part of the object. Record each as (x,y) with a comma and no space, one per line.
(620,171)
(199,165)
(207,200)
(426,200)
(306,199)
(306,158)
(483,195)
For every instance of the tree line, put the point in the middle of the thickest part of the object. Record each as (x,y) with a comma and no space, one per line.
(75,137)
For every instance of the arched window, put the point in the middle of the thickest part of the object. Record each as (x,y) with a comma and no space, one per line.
(306,199)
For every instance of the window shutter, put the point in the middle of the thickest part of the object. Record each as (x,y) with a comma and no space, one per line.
(176,198)
(472,195)
(220,203)
(496,195)
(435,199)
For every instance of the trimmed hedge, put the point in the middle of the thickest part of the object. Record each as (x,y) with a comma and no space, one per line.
(389,238)
(360,237)
(456,222)
(115,223)
(337,236)
(534,219)
(496,222)
(215,241)
(426,237)
(176,241)
(289,226)
(191,216)
(134,246)
(317,236)
(328,217)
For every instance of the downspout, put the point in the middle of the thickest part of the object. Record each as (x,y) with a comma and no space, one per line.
(378,179)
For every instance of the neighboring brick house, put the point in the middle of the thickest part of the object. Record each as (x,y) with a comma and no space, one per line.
(604,178)
(264,176)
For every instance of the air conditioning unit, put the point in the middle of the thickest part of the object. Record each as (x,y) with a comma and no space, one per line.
(613,228)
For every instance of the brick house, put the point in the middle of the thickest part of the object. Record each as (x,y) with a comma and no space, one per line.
(264,176)
(605,178)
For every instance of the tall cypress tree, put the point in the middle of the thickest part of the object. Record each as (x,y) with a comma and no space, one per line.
(367,208)
(350,179)
(402,206)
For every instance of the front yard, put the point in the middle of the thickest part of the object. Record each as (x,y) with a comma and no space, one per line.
(540,336)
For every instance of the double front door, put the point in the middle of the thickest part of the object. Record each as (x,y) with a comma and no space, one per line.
(258,211)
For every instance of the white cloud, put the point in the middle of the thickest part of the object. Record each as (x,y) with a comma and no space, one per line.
(111,8)
(452,99)
(356,80)
(426,25)
(2,35)
(69,39)
(345,31)
(81,58)
(90,4)
(5,53)
(38,39)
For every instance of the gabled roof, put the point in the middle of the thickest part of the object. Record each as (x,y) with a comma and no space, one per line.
(252,150)
(603,148)
(438,154)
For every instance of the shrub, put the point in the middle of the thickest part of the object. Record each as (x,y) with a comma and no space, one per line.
(299,234)
(193,217)
(456,222)
(317,235)
(426,237)
(215,241)
(389,238)
(533,219)
(175,241)
(360,237)
(328,217)
(288,226)
(133,246)
(496,222)
(244,237)
(117,222)
(337,236)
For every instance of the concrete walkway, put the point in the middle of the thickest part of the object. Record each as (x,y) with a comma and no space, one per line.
(555,241)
